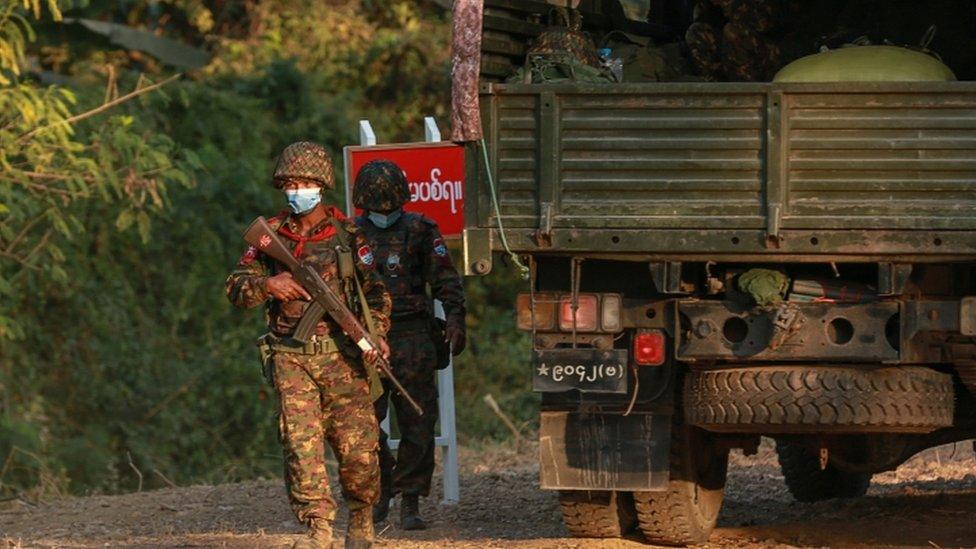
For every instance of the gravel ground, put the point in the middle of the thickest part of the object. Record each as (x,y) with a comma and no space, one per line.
(928,502)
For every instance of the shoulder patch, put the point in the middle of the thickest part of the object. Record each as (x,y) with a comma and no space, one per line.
(365,254)
(249,256)
(440,248)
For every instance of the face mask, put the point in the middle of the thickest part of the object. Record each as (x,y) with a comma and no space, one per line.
(303,200)
(384,221)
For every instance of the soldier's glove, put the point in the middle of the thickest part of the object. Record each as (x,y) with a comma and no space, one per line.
(456,337)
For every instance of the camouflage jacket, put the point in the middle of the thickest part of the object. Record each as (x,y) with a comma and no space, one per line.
(245,286)
(411,255)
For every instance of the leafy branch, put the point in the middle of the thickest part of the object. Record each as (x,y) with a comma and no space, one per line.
(100,109)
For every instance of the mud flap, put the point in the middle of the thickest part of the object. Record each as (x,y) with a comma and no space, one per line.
(604,451)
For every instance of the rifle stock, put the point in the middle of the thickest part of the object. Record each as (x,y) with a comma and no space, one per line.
(260,235)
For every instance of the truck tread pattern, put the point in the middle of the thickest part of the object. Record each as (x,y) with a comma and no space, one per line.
(807,482)
(597,514)
(666,518)
(804,399)
(672,516)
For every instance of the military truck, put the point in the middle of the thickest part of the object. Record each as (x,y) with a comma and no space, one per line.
(714,262)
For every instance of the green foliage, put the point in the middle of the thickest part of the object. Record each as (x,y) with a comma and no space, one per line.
(390,58)
(496,359)
(171,52)
(25,462)
(161,368)
(58,171)
(49,164)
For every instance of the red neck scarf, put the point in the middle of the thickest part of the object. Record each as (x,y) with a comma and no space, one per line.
(325,232)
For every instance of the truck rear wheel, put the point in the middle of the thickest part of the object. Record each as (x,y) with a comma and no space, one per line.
(596,513)
(819,399)
(806,481)
(686,512)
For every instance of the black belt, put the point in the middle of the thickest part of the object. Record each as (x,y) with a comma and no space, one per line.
(315,345)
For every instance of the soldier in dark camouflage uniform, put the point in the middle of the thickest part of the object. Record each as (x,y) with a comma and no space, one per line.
(731,39)
(411,254)
(322,385)
(704,39)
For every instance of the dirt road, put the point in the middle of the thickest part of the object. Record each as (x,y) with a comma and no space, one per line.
(928,502)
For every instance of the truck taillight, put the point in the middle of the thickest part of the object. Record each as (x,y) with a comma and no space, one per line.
(649,347)
(610,313)
(586,313)
(545,311)
(595,312)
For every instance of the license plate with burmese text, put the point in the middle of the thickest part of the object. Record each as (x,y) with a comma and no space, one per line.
(588,370)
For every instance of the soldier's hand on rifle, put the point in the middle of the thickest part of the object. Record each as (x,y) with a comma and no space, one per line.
(284,287)
(383,349)
(456,337)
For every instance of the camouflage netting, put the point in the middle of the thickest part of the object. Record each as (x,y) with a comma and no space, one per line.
(306,160)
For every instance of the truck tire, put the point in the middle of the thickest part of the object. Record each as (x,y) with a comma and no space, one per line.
(807,482)
(685,513)
(820,399)
(597,514)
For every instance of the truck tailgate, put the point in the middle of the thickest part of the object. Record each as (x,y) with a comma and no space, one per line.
(754,160)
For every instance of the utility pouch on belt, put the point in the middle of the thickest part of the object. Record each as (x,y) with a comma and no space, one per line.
(438,334)
(267,359)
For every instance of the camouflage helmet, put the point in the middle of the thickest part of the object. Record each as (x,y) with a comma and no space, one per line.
(306,160)
(380,186)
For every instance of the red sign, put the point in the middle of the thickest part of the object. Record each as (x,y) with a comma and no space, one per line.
(435,174)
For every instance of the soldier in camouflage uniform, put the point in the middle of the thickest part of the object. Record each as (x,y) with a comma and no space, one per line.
(322,385)
(704,39)
(411,254)
(732,40)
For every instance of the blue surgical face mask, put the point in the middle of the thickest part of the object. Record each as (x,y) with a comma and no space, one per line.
(303,200)
(384,221)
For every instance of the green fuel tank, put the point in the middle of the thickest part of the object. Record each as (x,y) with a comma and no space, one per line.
(866,64)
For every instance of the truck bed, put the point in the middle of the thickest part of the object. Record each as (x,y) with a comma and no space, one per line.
(854,171)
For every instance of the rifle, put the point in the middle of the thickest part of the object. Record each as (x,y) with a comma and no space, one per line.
(261,236)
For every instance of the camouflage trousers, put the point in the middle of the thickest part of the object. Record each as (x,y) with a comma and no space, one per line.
(325,398)
(413,358)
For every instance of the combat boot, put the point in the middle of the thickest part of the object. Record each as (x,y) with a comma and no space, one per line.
(359,535)
(381,509)
(410,513)
(319,537)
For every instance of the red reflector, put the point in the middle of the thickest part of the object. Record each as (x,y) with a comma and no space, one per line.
(649,347)
(585,314)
